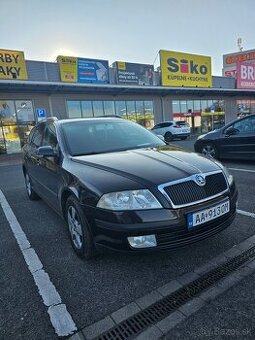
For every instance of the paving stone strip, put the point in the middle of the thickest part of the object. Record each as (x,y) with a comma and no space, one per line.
(157,330)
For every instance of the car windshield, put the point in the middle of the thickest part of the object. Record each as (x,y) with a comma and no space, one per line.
(92,137)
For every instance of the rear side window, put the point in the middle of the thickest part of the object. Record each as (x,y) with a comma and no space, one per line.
(182,123)
(245,125)
(36,138)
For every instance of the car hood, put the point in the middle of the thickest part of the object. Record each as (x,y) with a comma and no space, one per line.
(154,165)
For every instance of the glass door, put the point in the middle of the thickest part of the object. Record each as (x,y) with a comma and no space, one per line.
(2,140)
(12,140)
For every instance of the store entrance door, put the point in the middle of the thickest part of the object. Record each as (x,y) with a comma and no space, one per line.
(2,140)
(11,139)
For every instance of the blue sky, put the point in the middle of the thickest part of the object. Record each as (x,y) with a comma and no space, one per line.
(131,30)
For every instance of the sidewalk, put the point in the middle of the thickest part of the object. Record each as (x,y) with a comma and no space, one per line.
(11,159)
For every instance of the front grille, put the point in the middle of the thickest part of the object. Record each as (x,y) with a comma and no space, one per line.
(188,192)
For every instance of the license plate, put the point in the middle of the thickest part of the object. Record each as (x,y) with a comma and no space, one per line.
(209,214)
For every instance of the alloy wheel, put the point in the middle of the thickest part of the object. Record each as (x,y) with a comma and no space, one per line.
(75,227)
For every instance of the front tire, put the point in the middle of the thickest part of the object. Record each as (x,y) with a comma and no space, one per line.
(209,150)
(79,231)
(32,195)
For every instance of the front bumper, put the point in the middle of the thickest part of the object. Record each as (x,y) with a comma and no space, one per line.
(111,229)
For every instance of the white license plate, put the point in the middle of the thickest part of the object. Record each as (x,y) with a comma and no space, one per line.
(203,216)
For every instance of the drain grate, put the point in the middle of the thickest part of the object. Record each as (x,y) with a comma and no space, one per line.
(132,326)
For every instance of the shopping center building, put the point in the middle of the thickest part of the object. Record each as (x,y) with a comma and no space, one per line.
(33,90)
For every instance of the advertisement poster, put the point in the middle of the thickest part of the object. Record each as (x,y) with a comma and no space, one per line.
(183,69)
(134,74)
(7,112)
(83,70)
(12,65)
(25,111)
(245,76)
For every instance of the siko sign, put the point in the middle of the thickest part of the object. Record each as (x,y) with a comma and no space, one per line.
(245,75)
(12,65)
(183,69)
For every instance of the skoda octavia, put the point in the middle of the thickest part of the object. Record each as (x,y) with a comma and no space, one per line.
(120,187)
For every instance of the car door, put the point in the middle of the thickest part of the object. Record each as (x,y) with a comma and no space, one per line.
(31,159)
(49,169)
(240,142)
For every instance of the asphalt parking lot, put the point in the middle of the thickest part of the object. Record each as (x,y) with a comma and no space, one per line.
(91,291)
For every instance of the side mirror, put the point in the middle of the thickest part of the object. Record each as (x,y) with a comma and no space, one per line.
(231,131)
(45,151)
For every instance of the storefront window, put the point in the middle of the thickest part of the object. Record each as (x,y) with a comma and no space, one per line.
(86,107)
(245,107)
(25,112)
(183,106)
(176,106)
(139,111)
(109,108)
(98,108)
(121,109)
(7,112)
(202,115)
(16,120)
(74,109)
(149,114)
(131,111)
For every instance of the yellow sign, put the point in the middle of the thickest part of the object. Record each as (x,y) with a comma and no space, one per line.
(121,65)
(12,65)
(68,68)
(183,69)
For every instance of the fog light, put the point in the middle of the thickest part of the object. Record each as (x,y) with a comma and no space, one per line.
(146,241)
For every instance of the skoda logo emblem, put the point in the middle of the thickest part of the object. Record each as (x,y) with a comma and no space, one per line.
(200,180)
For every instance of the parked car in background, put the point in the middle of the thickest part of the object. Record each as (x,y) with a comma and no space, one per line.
(172,130)
(120,187)
(235,140)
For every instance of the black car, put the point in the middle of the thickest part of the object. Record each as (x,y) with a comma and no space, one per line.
(120,187)
(235,140)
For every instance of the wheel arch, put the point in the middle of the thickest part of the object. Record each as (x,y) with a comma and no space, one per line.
(67,192)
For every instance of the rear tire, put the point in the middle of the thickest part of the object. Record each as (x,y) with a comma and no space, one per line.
(32,195)
(183,138)
(79,230)
(168,136)
(209,150)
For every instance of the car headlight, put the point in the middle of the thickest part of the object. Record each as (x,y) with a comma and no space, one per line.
(129,200)
(229,177)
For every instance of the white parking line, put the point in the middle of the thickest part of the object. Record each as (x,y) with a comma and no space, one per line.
(245,213)
(245,170)
(59,316)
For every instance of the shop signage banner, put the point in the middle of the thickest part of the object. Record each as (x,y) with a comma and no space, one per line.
(183,69)
(83,70)
(233,58)
(245,75)
(12,65)
(134,74)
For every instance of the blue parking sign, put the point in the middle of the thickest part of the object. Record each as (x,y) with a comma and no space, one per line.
(41,113)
